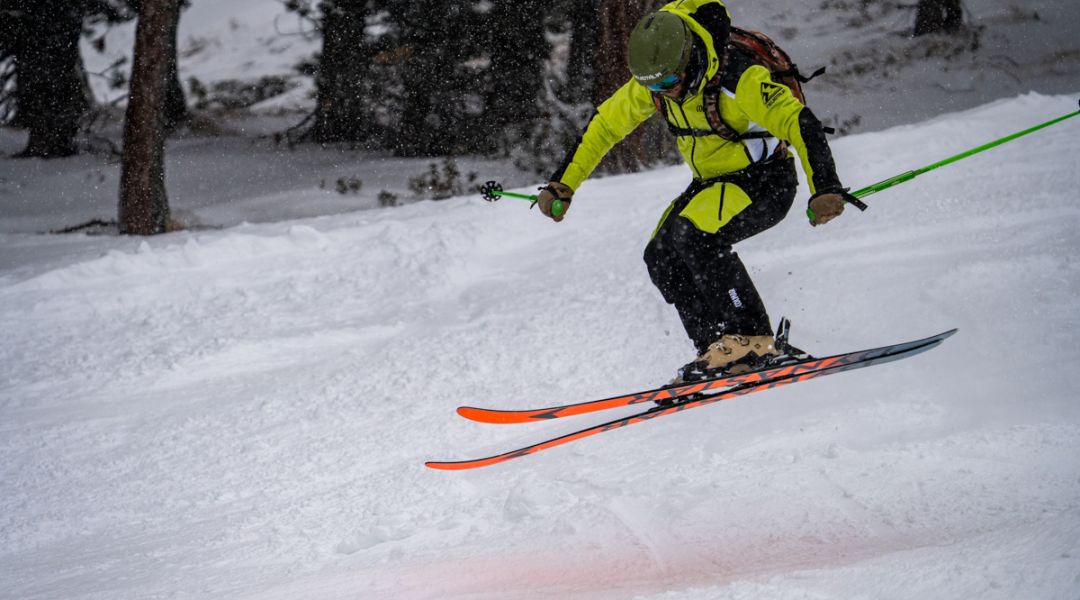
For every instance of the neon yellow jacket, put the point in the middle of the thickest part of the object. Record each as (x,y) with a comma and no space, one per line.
(750,101)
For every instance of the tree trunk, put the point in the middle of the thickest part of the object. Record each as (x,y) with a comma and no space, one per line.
(341,112)
(933,16)
(144,206)
(176,110)
(51,91)
(617,19)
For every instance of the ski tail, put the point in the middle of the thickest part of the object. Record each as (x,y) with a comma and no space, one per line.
(504,417)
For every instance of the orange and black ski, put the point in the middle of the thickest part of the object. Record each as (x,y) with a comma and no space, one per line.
(672,393)
(756,382)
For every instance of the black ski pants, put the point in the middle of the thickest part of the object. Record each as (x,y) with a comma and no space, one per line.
(700,274)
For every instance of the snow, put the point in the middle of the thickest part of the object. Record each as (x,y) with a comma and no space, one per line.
(243,409)
(244,412)
(212,182)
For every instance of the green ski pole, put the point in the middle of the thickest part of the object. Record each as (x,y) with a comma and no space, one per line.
(908,176)
(492,191)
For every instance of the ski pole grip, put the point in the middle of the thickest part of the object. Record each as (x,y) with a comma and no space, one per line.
(558,205)
(492,191)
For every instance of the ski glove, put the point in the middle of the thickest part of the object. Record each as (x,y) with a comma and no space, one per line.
(548,195)
(828,204)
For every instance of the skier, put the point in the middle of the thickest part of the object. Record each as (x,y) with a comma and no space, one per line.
(744,179)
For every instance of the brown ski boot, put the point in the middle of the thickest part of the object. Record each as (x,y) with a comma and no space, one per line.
(730,355)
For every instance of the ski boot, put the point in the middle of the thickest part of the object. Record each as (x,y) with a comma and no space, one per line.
(730,355)
(737,355)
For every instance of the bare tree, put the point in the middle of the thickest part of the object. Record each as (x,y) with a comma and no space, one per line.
(933,16)
(144,205)
(176,110)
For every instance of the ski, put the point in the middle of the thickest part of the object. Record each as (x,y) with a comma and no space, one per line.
(674,392)
(844,362)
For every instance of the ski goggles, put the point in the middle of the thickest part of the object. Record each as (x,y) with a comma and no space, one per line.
(665,84)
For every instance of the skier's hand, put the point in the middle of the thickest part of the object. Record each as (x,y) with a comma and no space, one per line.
(548,195)
(826,206)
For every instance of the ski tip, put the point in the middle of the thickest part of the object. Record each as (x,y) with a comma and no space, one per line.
(941,337)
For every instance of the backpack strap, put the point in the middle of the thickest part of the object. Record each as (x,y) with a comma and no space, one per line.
(662,108)
(717,124)
(794,72)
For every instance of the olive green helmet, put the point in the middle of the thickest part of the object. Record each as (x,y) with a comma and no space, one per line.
(660,46)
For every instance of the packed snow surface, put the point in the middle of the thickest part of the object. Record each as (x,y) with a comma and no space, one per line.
(245,413)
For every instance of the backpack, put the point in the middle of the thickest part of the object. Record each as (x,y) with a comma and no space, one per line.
(765,52)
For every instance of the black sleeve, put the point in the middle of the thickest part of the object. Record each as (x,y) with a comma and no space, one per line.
(818,153)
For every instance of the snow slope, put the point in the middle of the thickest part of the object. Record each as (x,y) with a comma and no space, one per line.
(244,413)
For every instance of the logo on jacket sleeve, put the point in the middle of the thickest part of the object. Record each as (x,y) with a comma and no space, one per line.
(770,92)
